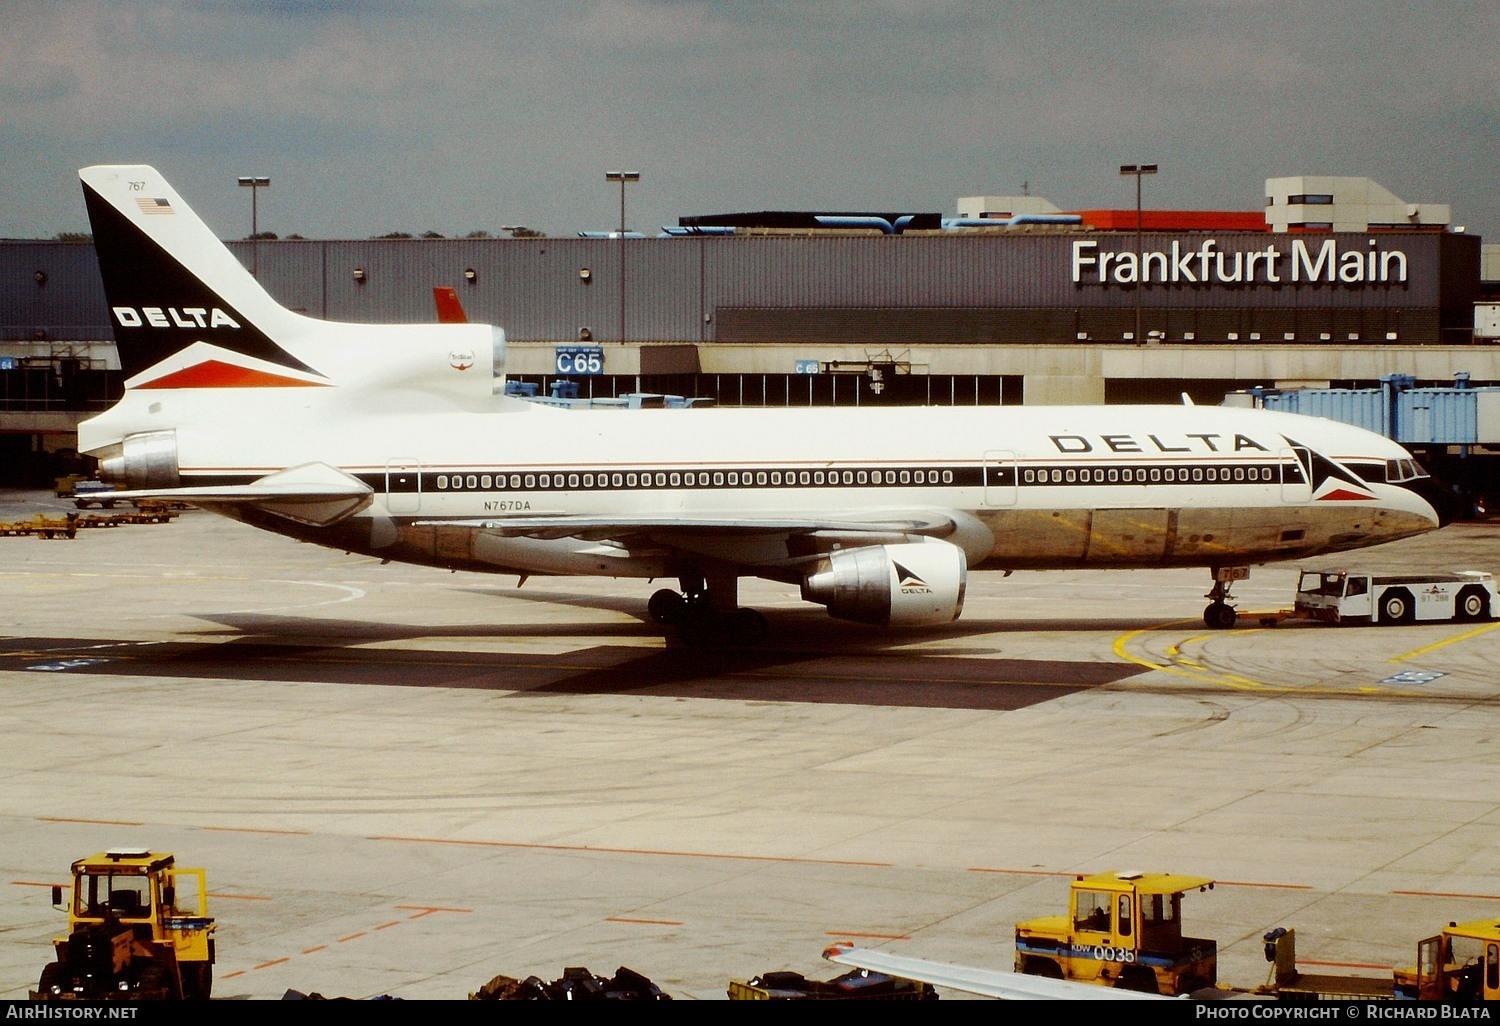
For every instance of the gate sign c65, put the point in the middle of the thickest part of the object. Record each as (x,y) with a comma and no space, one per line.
(578,359)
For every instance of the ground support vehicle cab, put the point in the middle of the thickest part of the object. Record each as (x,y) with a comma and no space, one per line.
(138,929)
(1460,964)
(1352,596)
(1123,929)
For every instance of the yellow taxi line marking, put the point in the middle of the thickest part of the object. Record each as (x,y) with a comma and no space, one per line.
(1466,635)
(1195,671)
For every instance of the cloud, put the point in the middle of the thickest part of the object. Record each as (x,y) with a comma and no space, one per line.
(455,116)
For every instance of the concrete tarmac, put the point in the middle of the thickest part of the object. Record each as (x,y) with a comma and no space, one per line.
(405,782)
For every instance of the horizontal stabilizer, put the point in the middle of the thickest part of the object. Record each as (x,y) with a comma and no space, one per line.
(313,493)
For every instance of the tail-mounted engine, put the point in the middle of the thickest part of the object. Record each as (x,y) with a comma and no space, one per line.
(912,584)
(144,460)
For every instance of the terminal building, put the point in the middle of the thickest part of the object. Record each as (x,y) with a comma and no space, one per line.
(1334,283)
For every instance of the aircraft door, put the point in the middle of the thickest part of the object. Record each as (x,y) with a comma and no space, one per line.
(999,477)
(1296,482)
(403,485)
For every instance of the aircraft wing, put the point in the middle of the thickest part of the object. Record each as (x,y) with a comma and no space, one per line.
(313,493)
(993,983)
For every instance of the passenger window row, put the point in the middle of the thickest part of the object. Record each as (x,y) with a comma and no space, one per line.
(593,481)
(1237,474)
(1003,474)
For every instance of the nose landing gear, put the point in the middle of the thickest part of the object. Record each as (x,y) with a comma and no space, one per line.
(1219,614)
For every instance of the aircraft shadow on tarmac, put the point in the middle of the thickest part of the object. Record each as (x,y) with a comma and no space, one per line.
(813,665)
(813,626)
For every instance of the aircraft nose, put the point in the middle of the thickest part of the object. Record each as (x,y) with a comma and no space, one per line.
(1447,503)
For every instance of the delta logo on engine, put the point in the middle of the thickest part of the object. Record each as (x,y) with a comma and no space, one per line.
(908,582)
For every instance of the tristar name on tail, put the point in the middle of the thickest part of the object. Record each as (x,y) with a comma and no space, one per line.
(379,439)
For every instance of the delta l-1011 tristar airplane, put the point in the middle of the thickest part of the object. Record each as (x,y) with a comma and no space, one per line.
(397,441)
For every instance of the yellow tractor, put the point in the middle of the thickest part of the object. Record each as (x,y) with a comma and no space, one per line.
(138,930)
(1124,930)
(1462,963)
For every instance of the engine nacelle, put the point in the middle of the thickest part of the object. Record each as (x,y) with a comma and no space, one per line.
(144,460)
(911,584)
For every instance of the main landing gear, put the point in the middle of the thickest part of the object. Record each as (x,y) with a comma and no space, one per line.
(708,616)
(1219,614)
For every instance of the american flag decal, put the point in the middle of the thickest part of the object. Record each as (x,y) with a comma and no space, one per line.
(154,206)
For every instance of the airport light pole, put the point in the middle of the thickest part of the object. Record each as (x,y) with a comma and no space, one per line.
(255,183)
(622,177)
(1138,170)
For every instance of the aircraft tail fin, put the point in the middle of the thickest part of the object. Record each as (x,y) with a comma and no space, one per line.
(449,309)
(187,314)
(168,279)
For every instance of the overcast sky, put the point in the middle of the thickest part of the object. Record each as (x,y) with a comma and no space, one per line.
(374,116)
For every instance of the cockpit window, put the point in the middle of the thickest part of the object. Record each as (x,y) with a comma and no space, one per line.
(1403,470)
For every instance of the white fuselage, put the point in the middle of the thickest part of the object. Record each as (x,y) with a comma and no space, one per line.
(1027,487)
